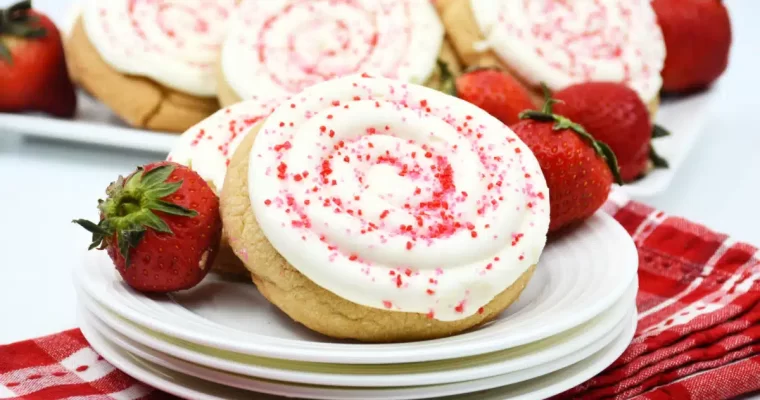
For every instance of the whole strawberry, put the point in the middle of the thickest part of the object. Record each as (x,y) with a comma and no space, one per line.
(496,92)
(33,73)
(579,169)
(614,114)
(697,37)
(161,227)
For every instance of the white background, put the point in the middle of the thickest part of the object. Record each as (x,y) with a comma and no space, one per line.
(45,184)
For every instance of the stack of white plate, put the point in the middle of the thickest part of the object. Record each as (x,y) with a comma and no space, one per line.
(222,340)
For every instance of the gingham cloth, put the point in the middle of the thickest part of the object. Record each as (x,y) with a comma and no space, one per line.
(698,335)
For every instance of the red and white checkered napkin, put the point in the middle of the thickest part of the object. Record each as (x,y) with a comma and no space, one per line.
(698,335)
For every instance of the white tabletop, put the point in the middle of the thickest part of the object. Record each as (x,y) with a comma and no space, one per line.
(46,184)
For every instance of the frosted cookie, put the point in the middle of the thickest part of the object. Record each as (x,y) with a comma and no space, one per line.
(208,148)
(561,42)
(151,62)
(276,48)
(379,210)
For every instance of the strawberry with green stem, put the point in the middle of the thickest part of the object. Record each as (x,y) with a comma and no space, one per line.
(160,226)
(579,170)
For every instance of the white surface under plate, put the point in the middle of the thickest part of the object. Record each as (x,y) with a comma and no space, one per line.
(511,361)
(198,382)
(580,275)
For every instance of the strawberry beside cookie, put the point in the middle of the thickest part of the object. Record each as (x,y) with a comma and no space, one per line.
(160,226)
(698,40)
(614,113)
(579,169)
(496,92)
(33,72)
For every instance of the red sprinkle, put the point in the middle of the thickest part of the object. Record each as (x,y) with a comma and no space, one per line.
(387,304)
(267,202)
(459,308)
(431,292)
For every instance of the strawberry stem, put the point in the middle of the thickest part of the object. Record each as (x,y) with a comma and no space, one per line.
(562,123)
(447,84)
(131,207)
(17,21)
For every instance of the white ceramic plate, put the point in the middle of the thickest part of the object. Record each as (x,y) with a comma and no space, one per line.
(514,361)
(579,276)
(113,348)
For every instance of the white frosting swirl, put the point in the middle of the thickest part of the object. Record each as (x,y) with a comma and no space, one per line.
(279,47)
(209,145)
(396,196)
(564,42)
(174,42)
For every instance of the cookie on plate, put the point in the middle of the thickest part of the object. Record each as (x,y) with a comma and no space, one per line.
(561,43)
(276,48)
(152,63)
(383,211)
(207,148)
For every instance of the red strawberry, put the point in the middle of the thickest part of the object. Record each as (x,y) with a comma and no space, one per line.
(617,116)
(579,170)
(161,227)
(33,74)
(496,92)
(697,39)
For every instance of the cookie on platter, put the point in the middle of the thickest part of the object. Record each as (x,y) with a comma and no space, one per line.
(380,210)
(152,63)
(207,148)
(561,42)
(276,48)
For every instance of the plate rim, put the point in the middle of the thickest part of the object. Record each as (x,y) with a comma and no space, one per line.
(150,340)
(356,353)
(615,347)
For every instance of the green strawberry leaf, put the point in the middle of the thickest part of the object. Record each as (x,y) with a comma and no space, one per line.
(657,160)
(171,208)
(163,190)
(156,176)
(90,226)
(127,240)
(658,131)
(151,220)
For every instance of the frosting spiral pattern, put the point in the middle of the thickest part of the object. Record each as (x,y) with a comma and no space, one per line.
(564,42)
(280,47)
(209,145)
(174,42)
(399,197)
